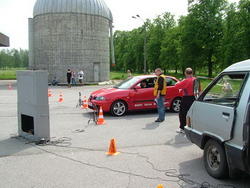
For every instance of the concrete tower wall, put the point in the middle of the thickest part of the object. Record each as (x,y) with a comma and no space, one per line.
(76,41)
(31,43)
(71,34)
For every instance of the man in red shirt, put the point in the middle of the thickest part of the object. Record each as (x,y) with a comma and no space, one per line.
(187,86)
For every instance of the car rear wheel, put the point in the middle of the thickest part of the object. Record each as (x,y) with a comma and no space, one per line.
(118,108)
(215,159)
(175,105)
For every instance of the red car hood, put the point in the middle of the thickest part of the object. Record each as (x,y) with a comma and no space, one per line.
(103,91)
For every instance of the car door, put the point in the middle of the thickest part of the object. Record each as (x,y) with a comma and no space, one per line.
(171,92)
(143,98)
(214,111)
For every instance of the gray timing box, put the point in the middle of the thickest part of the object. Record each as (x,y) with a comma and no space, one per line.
(33,107)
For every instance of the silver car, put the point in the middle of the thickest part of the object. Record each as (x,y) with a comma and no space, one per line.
(218,122)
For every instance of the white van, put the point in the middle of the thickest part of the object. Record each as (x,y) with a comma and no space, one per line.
(218,122)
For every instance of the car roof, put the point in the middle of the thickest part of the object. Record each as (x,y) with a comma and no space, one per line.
(151,76)
(240,66)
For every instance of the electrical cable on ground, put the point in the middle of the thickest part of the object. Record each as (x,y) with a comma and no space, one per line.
(180,178)
(77,131)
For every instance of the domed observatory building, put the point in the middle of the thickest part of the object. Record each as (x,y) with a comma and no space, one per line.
(71,34)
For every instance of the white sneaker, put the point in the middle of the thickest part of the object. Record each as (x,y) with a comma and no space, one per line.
(180,131)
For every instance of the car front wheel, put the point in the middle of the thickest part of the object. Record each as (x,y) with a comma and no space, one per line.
(175,105)
(118,108)
(215,159)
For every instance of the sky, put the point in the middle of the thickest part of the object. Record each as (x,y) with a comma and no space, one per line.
(14,15)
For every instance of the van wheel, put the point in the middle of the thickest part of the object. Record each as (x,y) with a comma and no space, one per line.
(215,160)
(175,105)
(118,108)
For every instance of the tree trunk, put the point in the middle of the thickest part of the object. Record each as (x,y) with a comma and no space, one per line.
(210,66)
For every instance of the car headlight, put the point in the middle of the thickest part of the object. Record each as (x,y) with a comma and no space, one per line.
(100,98)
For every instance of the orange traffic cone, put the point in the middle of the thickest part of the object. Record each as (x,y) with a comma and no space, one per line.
(49,94)
(60,98)
(160,186)
(10,86)
(100,118)
(112,148)
(85,104)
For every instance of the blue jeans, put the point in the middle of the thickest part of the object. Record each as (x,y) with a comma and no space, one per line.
(161,107)
(73,81)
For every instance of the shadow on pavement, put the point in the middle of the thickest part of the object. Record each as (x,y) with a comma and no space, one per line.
(12,146)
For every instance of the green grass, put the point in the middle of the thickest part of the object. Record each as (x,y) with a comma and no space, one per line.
(10,74)
(117,75)
(204,83)
(120,75)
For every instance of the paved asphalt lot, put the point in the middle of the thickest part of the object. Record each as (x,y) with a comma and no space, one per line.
(150,153)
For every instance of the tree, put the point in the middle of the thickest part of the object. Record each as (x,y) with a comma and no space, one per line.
(189,51)
(205,28)
(120,43)
(156,34)
(169,50)
(235,43)
(16,58)
(12,58)
(212,36)
(136,47)
(244,18)
(5,59)
(24,58)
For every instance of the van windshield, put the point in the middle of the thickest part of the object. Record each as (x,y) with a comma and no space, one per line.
(225,90)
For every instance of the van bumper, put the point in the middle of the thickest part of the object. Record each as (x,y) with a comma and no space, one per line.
(188,133)
(193,136)
(237,160)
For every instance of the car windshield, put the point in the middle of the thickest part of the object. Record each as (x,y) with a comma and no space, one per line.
(127,83)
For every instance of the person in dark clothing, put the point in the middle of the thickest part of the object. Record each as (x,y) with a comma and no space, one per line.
(144,84)
(160,92)
(69,77)
(187,86)
(54,82)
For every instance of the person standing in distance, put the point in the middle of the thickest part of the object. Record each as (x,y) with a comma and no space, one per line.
(187,86)
(73,77)
(129,74)
(160,92)
(69,77)
(80,76)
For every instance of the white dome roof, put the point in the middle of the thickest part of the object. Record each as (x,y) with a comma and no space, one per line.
(92,7)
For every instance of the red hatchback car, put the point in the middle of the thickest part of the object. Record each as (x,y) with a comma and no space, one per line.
(135,93)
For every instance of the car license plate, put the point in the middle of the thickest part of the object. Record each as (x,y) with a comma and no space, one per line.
(90,103)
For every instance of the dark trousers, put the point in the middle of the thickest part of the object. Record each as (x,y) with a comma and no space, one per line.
(186,102)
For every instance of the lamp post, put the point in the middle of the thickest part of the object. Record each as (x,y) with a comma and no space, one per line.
(145,51)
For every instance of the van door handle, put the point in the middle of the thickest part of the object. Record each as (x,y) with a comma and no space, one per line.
(225,114)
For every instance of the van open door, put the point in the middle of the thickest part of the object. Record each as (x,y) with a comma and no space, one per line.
(214,110)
